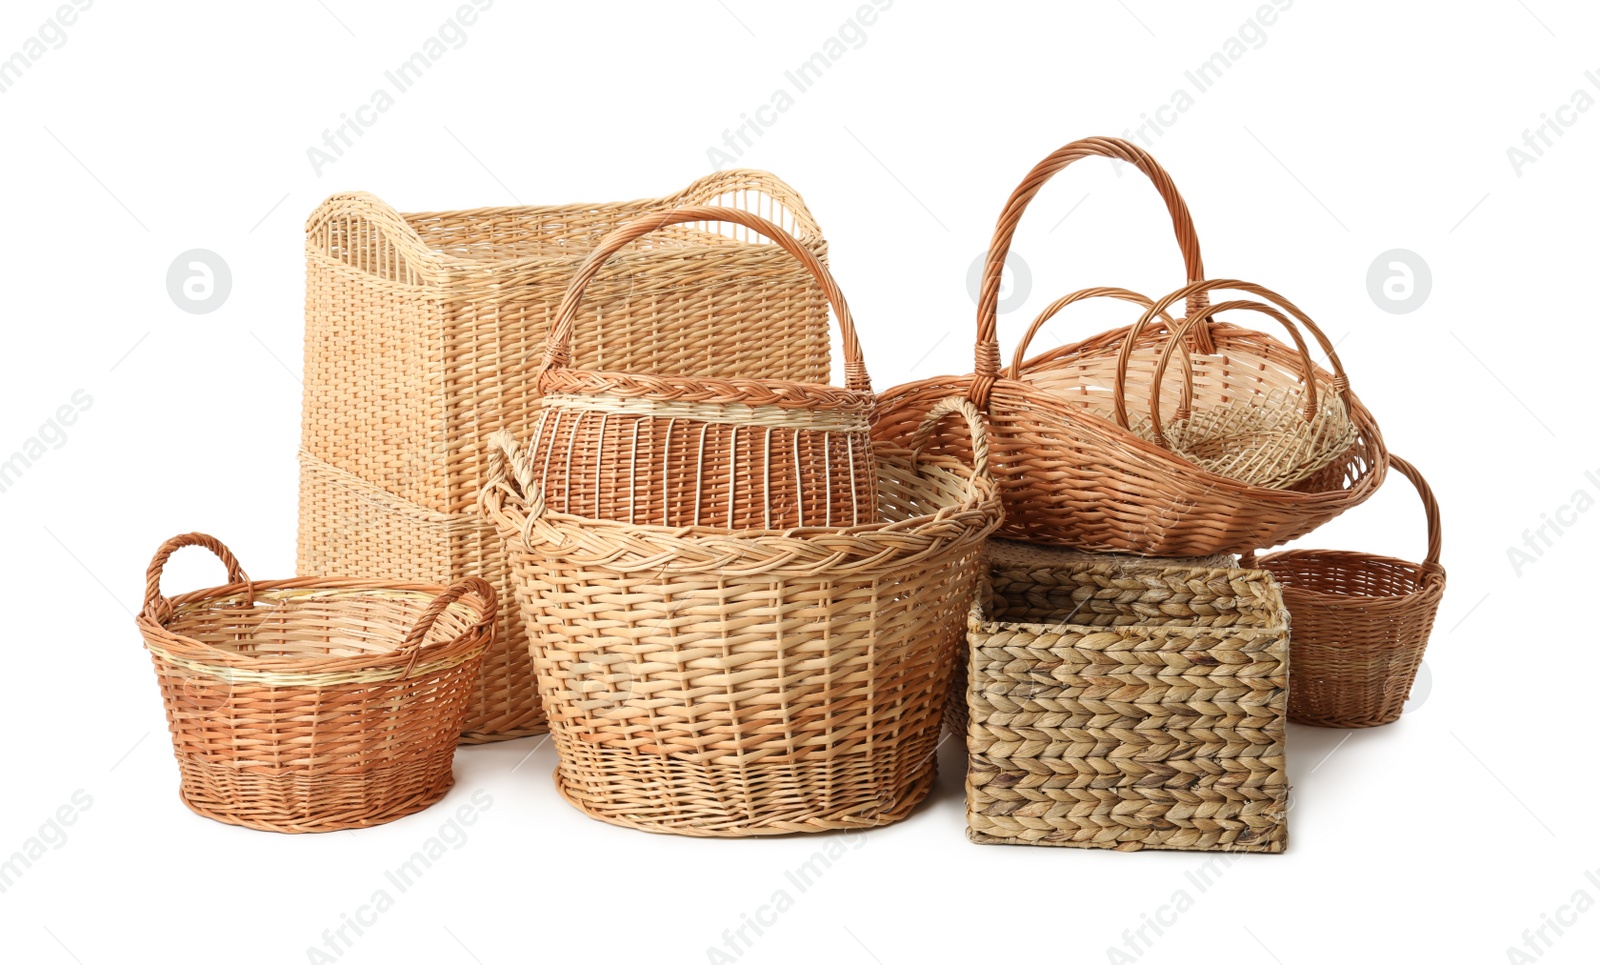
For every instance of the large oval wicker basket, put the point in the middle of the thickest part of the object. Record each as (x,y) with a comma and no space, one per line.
(1073,478)
(721,682)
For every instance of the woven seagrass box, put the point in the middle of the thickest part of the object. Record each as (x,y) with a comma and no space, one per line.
(1126,703)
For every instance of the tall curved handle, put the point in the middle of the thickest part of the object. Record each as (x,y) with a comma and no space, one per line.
(558,346)
(424,624)
(1341,384)
(1430,506)
(1309,368)
(152,576)
(1018,364)
(987,367)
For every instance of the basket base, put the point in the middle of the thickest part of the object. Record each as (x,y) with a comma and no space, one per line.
(851,819)
(482,737)
(1277,843)
(316,824)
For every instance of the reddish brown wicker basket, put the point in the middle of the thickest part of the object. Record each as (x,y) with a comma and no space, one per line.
(1071,478)
(314,704)
(671,450)
(1360,624)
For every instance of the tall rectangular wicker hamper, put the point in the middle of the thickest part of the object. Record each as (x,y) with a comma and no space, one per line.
(424,335)
(1126,703)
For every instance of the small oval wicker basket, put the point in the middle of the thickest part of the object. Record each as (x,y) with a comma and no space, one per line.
(313,704)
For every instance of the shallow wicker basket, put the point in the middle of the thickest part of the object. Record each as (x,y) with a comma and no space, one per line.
(1252,409)
(686,450)
(739,682)
(314,704)
(1361,624)
(1126,704)
(1078,480)
(425,332)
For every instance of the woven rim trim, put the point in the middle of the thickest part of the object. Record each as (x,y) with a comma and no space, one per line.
(232,675)
(662,390)
(724,413)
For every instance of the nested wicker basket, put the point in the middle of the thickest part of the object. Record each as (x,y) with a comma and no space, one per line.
(668,450)
(1126,704)
(740,682)
(1072,478)
(1252,410)
(425,333)
(1361,624)
(314,704)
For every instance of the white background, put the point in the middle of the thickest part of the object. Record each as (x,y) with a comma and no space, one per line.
(1355,128)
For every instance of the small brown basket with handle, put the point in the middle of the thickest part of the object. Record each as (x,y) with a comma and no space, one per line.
(1360,624)
(1073,478)
(313,704)
(672,450)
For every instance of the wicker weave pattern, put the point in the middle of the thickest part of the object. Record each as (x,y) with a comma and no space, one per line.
(1126,704)
(424,334)
(314,705)
(1361,624)
(683,451)
(714,682)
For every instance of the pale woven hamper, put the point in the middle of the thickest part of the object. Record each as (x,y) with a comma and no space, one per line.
(1126,703)
(425,333)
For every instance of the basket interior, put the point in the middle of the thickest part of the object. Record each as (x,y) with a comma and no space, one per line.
(1353,575)
(1063,588)
(301,623)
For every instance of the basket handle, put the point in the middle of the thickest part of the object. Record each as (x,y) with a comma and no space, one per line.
(1018,365)
(1309,411)
(558,347)
(988,346)
(974,419)
(1430,506)
(1341,383)
(152,576)
(471,584)
(740,181)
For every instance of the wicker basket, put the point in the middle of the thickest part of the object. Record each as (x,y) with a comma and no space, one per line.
(1088,482)
(1253,410)
(1361,624)
(424,334)
(737,682)
(314,705)
(671,450)
(1126,704)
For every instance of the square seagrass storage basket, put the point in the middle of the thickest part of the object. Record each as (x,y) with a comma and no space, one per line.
(1126,703)
(425,334)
